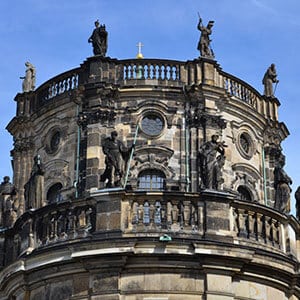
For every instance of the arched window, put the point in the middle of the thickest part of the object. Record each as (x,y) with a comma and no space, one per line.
(53,194)
(244,193)
(151,180)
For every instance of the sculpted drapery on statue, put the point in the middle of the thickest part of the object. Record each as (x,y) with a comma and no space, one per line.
(116,158)
(99,39)
(282,186)
(8,212)
(210,163)
(270,77)
(204,42)
(34,188)
(29,78)
(297,196)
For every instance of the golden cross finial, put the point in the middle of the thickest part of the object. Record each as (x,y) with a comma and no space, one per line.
(139,55)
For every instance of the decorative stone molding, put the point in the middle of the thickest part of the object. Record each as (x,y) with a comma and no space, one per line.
(96,116)
(152,158)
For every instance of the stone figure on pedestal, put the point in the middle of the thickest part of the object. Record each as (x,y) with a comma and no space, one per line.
(99,39)
(282,186)
(8,213)
(270,77)
(34,188)
(116,158)
(211,163)
(29,78)
(204,42)
(297,196)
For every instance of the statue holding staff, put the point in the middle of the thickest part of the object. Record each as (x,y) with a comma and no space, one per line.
(204,42)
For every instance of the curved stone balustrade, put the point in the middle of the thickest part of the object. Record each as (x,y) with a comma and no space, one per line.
(58,85)
(240,89)
(49,225)
(152,72)
(264,226)
(189,216)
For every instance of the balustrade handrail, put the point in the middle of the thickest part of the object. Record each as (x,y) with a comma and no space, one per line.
(150,60)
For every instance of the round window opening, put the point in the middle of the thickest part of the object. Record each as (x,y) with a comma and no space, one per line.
(152,124)
(245,145)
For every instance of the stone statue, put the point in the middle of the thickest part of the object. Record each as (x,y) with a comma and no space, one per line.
(270,77)
(204,42)
(116,158)
(34,188)
(281,185)
(29,78)
(8,212)
(99,39)
(297,196)
(211,163)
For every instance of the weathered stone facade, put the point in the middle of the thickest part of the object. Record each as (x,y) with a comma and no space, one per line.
(162,235)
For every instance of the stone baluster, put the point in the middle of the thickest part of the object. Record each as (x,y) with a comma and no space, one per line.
(72,224)
(252,225)
(277,235)
(159,72)
(157,216)
(152,213)
(31,244)
(242,221)
(169,214)
(168,74)
(274,231)
(47,229)
(260,227)
(186,213)
(61,226)
(146,219)
(140,214)
(268,221)
(194,217)
(53,227)
(134,213)
(200,217)
(125,72)
(129,71)
(81,219)
(175,214)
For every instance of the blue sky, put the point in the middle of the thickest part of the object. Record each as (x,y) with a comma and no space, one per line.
(248,35)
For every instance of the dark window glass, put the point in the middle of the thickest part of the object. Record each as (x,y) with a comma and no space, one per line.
(244,193)
(55,140)
(53,194)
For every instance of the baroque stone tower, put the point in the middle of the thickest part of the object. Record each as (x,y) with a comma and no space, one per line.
(147,179)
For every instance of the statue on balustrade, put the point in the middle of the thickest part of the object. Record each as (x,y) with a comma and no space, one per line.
(211,160)
(99,39)
(282,186)
(117,156)
(29,78)
(8,213)
(270,77)
(34,188)
(204,42)
(297,196)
